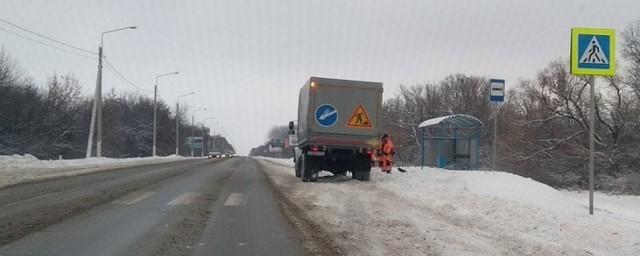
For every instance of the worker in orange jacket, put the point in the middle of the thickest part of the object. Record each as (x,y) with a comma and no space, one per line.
(387,150)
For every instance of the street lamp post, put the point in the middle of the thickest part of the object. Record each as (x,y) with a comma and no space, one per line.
(178,121)
(155,108)
(214,137)
(210,118)
(193,116)
(96,112)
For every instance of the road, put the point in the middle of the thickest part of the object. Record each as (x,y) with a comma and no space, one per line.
(197,207)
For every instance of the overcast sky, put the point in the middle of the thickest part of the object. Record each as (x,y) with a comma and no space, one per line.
(246,60)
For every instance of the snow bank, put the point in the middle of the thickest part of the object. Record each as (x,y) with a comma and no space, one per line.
(440,212)
(281,161)
(19,168)
(500,185)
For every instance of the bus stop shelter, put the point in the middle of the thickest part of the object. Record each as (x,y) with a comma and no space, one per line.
(451,142)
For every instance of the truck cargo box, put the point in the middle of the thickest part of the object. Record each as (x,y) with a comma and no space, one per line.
(339,113)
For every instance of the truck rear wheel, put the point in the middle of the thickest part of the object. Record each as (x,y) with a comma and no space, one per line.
(304,167)
(365,174)
(297,167)
(309,169)
(362,170)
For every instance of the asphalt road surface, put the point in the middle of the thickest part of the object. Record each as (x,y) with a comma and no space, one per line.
(196,207)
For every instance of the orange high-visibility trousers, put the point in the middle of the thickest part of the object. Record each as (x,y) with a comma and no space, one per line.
(386,162)
(387,155)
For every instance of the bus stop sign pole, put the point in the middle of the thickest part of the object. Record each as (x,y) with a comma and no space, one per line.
(496,97)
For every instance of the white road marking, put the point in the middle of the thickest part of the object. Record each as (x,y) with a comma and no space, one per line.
(185,199)
(236,199)
(135,198)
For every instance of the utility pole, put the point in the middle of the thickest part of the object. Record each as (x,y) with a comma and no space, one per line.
(193,116)
(202,150)
(213,144)
(592,117)
(155,96)
(155,108)
(96,113)
(178,127)
(97,104)
(192,124)
(178,121)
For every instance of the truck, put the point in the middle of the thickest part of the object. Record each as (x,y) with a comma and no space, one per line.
(338,127)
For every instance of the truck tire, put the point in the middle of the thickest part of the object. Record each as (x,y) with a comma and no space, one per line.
(309,169)
(314,174)
(297,167)
(304,167)
(355,174)
(365,170)
(365,175)
(362,170)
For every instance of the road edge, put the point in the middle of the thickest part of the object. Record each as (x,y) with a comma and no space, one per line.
(89,171)
(315,239)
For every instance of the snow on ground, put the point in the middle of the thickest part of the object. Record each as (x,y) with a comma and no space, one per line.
(440,212)
(20,168)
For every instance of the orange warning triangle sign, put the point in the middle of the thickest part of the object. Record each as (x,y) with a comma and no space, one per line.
(359,119)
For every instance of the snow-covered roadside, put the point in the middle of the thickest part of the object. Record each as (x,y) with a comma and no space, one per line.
(20,168)
(437,212)
(619,206)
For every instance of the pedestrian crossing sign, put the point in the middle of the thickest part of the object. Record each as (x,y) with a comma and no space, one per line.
(593,51)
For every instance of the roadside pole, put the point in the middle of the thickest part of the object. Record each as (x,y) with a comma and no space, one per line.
(155,109)
(178,127)
(496,98)
(96,112)
(593,53)
(155,98)
(202,149)
(192,134)
(495,137)
(592,116)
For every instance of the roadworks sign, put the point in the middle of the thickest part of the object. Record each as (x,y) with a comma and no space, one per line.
(593,51)
(359,119)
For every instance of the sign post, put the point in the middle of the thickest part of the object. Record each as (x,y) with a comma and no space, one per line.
(194,143)
(593,54)
(496,97)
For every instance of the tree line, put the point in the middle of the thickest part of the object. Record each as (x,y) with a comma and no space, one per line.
(53,120)
(543,126)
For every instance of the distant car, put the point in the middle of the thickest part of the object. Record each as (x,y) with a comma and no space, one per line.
(213,155)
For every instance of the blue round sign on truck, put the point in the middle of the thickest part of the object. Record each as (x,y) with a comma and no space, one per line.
(326,115)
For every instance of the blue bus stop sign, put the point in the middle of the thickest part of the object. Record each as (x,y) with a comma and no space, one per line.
(326,115)
(496,95)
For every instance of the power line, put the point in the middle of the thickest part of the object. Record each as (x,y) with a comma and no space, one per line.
(46,44)
(122,77)
(46,37)
(108,65)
